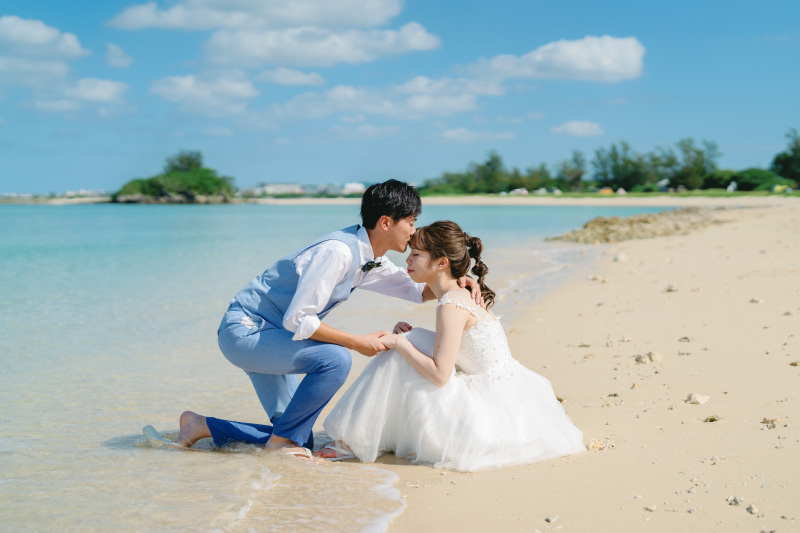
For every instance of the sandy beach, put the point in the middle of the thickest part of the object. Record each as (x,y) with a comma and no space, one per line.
(713,313)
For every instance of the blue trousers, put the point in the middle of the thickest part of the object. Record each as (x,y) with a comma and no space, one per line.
(272,360)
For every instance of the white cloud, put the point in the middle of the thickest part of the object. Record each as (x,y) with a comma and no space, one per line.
(442,105)
(352,119)
(536,116)
(216,96)
(339,99)
(218,131)
(417,99)
(579,128)
(364,101)
(33,54)
(287,76)
(257,14)
(57,105)
(425,85)
(30,37)
(364,131)
(606,59)
(312,46)
(463,135)
(509,120)
(26,72)
(117,57)
(97,90)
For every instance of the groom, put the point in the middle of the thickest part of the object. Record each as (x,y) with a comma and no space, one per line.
(273,329)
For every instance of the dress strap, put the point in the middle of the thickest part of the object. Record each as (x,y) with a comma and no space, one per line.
(444,300)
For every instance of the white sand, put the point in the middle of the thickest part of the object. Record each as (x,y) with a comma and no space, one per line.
(585,337)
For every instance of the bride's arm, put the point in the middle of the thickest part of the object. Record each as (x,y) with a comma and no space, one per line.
(450,322)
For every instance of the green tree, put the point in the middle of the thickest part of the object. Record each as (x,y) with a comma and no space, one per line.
(695,163)
(571,171)
(787,164)
(619,167)
(182,177)
(184,161)
(758,179)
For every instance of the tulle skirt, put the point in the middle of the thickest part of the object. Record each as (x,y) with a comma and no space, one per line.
(471,423)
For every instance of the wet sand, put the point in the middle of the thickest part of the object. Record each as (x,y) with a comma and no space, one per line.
(715,313)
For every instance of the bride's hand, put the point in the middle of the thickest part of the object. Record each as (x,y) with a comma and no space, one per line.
(401,327)
(391,341)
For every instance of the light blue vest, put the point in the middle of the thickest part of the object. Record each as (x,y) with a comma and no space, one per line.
(268,296)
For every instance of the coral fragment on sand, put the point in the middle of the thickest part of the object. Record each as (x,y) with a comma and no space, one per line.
(697,399)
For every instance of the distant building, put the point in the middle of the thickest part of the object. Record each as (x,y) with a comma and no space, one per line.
(353,188)
(277,189)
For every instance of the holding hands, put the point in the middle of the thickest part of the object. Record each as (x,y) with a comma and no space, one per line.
(372,344)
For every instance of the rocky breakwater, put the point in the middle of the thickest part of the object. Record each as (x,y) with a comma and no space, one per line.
(643,226)
(171,198)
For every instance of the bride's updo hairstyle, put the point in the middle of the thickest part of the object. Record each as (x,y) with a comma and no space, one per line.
(445,238)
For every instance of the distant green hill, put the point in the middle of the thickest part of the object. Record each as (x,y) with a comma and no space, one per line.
(184,180)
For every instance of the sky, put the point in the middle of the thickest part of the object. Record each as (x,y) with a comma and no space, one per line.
(95,93)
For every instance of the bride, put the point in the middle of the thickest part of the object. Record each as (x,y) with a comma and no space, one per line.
(456,398)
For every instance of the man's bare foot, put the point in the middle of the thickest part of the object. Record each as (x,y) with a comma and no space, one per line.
(277,444)
(193,428)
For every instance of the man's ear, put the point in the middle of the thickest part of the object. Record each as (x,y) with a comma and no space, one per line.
(384,222)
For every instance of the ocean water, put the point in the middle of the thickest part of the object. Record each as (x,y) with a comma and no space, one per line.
(108,318)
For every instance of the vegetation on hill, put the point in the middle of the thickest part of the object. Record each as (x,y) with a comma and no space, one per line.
(687,166)
(184,180)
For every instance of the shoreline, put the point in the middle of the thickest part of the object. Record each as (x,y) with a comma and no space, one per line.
(531,200)
(715,308)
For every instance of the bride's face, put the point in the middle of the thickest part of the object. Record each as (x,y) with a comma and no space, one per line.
(419,264)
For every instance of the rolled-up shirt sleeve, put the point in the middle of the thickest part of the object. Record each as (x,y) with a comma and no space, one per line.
(319,269)
(391,280)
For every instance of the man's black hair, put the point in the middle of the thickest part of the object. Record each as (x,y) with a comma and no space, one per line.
(393,198)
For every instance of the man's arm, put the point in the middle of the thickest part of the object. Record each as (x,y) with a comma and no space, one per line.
(368,344)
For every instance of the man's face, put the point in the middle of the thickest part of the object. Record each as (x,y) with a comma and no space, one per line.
(400,232)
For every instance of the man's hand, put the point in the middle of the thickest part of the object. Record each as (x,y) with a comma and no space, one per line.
(401,327)
(391,341)
(369,344)
(467,282)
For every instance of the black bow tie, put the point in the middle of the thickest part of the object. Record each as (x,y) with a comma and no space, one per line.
(369,266)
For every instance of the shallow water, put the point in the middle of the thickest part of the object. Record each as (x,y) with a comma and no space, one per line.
(108,318)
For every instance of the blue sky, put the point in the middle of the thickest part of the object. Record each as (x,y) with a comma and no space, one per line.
(94,93)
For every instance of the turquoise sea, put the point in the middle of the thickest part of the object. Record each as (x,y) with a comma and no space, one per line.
(108,318)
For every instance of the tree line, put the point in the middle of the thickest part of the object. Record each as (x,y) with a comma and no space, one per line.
(688,165)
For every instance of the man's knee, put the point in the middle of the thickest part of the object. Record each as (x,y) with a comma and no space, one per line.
(338,359)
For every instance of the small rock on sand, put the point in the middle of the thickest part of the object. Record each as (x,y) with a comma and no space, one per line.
(752,509)
(551,519)
(795,363)
(671,288)
(770,423)
(712,418)
(600,444)
(697,399)
(756,301)
(621,257)
(651,508)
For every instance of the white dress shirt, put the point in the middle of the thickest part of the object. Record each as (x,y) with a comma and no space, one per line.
(323,266)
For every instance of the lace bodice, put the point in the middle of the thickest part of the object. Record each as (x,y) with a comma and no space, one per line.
(484,351)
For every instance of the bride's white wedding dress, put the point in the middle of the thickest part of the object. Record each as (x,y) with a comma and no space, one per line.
(492,412)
